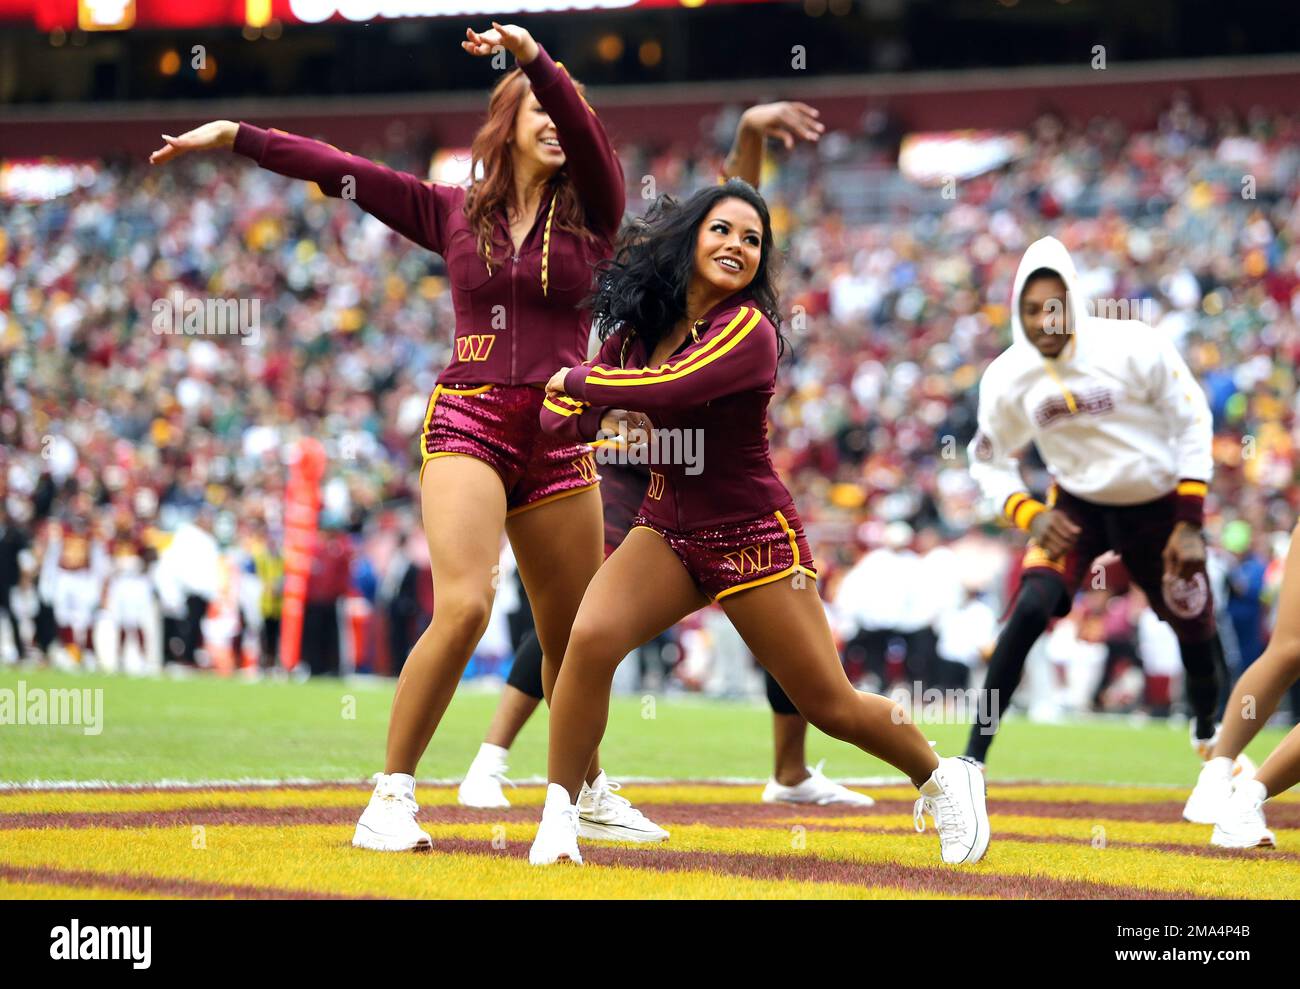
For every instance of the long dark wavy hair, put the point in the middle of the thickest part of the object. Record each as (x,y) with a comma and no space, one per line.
(642,289)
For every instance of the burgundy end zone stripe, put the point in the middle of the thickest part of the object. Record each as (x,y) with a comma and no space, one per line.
(160,886)
(950,881)
(715,814)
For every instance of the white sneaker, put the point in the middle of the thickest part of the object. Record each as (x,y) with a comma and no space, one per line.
(557,835)
(388,822)
(602,813)
(1212,792)
(1241,824)
(481,787)
(816,789)
(1242,767)
(954,797)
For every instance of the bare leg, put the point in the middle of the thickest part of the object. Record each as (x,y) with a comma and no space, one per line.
(789,734)
(559,546)
(512,713)
(1261,687)
(1281,770)
(464,507)
(641,590)
(785,628)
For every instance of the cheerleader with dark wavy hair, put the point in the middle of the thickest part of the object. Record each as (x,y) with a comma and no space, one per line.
(519,243)
(688,312)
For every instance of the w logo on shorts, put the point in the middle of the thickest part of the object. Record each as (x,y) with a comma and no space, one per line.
(475,346)
(751,559)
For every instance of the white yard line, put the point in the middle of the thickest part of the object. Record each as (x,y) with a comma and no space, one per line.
(300,781)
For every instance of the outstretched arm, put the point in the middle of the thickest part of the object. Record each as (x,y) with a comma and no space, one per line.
(590,158)
(786,121)
(413,208)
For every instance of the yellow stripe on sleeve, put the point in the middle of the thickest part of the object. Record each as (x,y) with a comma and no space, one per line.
(560,410)
(671,366)
(663,374)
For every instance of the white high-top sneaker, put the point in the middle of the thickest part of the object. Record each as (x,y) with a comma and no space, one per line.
(482,784)
(388,822)
(557,835)
(1241,825)
(1212,793)
(954,797)
(816,789)
(602,813)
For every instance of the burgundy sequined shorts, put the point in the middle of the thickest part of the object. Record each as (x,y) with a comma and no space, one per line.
(499,425)
(733,557)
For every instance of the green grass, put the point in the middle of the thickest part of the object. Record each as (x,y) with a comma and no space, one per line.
(226,729)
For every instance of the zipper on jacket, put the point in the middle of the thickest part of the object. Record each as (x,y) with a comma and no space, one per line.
(514,305)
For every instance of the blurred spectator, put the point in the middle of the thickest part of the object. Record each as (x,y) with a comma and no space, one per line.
(328,583)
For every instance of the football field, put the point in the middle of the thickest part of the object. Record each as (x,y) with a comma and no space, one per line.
(213,788)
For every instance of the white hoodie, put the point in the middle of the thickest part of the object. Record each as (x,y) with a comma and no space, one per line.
(1118,418)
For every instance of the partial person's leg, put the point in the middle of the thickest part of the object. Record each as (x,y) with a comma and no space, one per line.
(521,694)
(463,505)
(482,786)
(1281,770)
(1259,691)
(642,589)
(558,546)
(786,629)
(1042,595)
(789,736)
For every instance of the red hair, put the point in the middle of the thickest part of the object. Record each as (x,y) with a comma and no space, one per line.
(492,170)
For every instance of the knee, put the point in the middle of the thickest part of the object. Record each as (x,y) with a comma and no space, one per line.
(594,640)
(462,614)
(1037,601)
(835,715)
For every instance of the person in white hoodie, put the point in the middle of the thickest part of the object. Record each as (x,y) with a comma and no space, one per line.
(1125,431)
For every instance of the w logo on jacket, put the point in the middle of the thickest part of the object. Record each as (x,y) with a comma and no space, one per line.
(474,346)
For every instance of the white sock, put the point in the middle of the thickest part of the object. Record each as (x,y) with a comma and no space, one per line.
(403,783)
(489,758)
(1222,765)
(557,796)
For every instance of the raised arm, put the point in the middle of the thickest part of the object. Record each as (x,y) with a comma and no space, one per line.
(733,356)
(414,208)
(597,173)
(786,121)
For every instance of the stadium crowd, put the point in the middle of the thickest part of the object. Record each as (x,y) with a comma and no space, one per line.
(142,469)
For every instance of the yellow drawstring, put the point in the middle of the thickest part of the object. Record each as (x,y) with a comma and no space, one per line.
(546,245)
(1069,397)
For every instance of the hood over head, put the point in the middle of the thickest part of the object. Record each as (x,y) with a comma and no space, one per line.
(1046,252)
